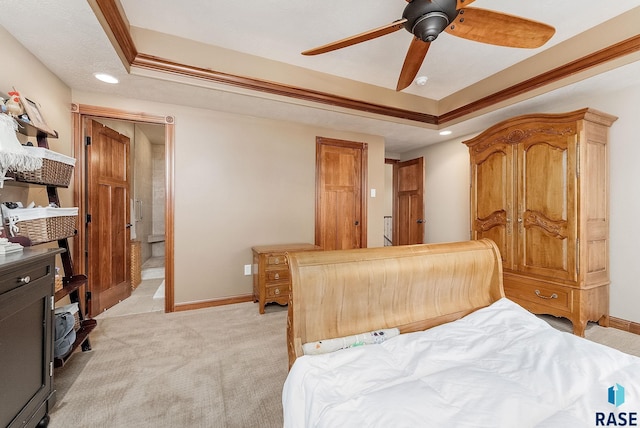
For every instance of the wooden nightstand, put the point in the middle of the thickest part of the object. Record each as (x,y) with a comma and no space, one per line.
(271,281)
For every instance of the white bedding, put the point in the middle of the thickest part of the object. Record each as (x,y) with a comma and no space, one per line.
(497,367)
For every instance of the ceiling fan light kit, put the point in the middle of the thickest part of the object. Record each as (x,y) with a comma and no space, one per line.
(426,19)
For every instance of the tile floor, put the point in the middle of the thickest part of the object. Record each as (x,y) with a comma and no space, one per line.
(147,297)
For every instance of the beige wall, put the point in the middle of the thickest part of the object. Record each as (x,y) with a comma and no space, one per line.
(242,181)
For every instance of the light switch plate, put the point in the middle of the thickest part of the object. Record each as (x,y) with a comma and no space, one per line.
(247,269)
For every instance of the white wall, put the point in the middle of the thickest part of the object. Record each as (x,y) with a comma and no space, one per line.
(447,182)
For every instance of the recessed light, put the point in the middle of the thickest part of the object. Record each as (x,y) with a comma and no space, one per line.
(443,133)
(421,80)
(107,78)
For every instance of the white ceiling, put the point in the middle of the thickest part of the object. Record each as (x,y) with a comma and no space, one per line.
(70,41)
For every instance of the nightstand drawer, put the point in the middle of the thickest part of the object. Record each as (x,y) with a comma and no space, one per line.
(277,275)
(281,290)
(276,259)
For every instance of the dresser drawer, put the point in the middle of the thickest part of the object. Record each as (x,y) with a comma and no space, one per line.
(276,259)
(543,295)
(21,276)
(277,275)
(277,291)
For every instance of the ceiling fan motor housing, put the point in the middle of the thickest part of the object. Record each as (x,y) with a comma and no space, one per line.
(426,19)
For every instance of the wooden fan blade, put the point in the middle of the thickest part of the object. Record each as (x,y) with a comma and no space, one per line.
(412,62)
(464,3)
(358,38)
(495,28)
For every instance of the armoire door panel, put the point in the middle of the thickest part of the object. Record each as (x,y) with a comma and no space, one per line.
(493,199)
(547,207)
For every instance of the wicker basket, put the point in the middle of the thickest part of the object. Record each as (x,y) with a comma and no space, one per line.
(56,168)
(58,283)
(42,224)
(53,173)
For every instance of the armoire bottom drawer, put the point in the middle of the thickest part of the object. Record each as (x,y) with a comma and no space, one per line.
(544,295)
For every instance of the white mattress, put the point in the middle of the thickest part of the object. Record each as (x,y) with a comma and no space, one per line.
(498,367)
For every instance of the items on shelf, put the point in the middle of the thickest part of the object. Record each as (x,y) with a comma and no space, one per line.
(56,168)
(13,156)
(36,225)
(7,247)
(13,104)
(39,224)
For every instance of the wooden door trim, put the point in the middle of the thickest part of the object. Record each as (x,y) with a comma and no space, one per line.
(364,173)
(79,112)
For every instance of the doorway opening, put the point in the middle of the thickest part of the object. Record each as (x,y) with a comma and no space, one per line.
(150,205)
(405,224)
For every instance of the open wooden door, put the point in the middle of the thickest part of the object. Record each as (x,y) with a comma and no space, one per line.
(340,205)
(108,219)
(408,217)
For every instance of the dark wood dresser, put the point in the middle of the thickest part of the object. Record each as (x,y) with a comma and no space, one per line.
(26,336)
(271,281)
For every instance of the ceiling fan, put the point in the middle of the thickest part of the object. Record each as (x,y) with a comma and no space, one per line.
(426,19)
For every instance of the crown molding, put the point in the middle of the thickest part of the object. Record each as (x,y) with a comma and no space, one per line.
(116,24)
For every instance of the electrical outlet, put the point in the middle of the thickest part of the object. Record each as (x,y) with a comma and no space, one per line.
(247,269)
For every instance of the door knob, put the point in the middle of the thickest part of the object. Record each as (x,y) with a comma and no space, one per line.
(420,221)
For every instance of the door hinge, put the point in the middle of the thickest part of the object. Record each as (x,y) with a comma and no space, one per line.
(53,306)
(88,218)
(87,141)
(50,368)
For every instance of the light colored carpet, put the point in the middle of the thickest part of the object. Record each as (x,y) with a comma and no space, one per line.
(217,367)
(214,367)
(622,340)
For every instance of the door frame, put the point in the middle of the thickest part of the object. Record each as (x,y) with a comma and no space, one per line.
(79,112)
(364,173)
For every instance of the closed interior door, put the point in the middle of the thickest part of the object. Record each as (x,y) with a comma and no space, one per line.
(340,205)
(408,179)
(108,206)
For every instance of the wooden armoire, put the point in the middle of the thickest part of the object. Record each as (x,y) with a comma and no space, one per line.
(539,189)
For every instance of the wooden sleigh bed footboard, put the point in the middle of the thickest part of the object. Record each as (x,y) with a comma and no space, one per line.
(347,292)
